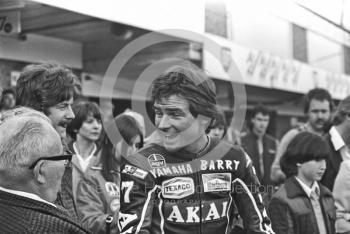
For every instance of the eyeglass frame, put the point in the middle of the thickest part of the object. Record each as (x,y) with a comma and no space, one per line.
(67,157)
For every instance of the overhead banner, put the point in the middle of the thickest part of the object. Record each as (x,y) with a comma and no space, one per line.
(266,70)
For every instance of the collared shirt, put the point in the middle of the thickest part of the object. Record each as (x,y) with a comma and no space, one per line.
(84,163)
(27,195)
(339,144)
(307,189)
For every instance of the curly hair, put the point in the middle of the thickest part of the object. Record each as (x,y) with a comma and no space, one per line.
(41,86)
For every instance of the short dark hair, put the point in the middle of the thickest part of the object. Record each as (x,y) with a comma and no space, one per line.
(264,110)
(317,94)
(304,147)
(41,86)
(189,83)
(81,110)
(220,120)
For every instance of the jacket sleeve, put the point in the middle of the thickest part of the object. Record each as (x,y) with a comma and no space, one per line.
(249,200)
(91,206)
(137,200)
(342,197)
(282,222)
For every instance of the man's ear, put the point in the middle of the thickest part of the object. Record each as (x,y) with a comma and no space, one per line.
(205,121)
(40,172)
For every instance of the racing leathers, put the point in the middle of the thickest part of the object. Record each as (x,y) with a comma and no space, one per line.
(166,192)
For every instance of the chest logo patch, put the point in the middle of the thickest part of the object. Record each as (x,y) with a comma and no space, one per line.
(178,187)
(216,182)
(156,161)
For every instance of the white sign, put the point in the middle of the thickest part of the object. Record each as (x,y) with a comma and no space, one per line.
(10,22)
(266,70)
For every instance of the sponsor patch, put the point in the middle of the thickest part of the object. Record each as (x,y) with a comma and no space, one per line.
(125,219)
(216,182)
(178,187)
(134,171)
(156,161)
(112,189)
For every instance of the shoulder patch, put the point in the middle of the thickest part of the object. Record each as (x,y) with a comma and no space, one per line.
(134,171)
(156,161)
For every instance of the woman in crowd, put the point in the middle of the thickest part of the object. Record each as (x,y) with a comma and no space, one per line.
(98,193)
(85,129)
(302,205)
(219,128)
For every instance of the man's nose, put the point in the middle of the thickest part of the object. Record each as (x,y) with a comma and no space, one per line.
(164,122)
(96,124)
(70,113)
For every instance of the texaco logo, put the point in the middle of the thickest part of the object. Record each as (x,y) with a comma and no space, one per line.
(145,79)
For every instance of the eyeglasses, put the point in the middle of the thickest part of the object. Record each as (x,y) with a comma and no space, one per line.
(66,157)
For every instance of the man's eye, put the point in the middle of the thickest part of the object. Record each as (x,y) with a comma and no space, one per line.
(62,107)
(158,112)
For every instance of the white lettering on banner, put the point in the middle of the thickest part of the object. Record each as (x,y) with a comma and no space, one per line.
(125,219)
(269,69)
(192,213)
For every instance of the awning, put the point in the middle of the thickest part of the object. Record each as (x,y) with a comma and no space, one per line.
(152,15)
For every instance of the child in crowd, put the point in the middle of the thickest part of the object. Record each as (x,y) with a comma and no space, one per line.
(302,205)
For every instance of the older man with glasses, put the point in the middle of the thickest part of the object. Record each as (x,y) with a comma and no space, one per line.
(32,164)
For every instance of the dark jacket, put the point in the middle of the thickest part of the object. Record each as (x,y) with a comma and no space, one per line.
(250,145)
(97,199)
(291,210)
(333,164)
(181,192)
(24,215)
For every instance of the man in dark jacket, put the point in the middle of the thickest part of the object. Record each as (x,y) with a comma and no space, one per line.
(318,107)
(189,182)
(302,205)
(32,164)
(260,146)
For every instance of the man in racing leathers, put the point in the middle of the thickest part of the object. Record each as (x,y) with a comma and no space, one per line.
(189,182)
